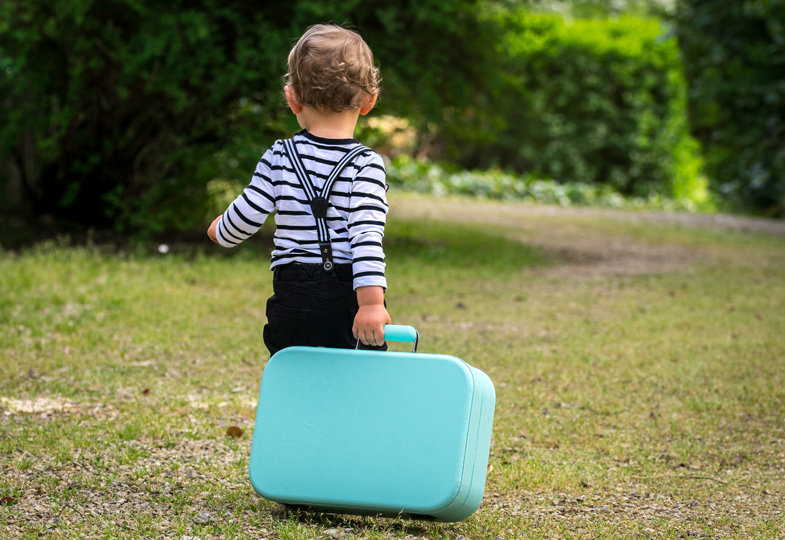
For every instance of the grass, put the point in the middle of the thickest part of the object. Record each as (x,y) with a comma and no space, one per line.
(630,403)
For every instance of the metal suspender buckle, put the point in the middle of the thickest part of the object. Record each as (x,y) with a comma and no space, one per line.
(326,249)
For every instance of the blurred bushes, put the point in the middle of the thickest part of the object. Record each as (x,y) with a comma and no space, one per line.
(136,114)
(734,52)
(407,174)
(587,101)
(118,112)
(109,108)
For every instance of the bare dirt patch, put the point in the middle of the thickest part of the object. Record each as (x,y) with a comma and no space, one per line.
(585,252)
(566,234)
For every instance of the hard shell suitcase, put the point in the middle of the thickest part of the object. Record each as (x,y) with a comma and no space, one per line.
(371,432)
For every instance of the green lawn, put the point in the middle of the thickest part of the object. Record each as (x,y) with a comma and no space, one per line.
(639,369)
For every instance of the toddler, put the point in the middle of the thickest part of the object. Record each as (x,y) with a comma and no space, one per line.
(328,194)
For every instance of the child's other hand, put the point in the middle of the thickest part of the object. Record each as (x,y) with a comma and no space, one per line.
(369,324)
(211,229)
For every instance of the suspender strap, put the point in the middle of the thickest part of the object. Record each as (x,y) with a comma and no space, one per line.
(319,200)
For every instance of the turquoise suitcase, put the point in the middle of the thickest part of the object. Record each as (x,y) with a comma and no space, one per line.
(371,432)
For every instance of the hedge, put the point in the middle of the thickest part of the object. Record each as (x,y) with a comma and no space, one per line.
(407,174)
(588,101)
(734,53)
(116,113)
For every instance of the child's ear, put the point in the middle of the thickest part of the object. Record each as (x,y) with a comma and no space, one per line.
(368,103)
(291,99)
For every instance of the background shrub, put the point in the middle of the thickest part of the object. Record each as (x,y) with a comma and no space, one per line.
(591,101)
(128,113)
(734,52)
(407,174)
(118,112)
(109,107)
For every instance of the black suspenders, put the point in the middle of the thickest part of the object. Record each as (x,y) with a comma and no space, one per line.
(319,201)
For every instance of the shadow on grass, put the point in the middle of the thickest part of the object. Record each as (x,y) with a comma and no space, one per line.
(424,243)
(457,246)
(356,524)
(189,245)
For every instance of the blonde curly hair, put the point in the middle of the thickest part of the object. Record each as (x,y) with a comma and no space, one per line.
(331,68)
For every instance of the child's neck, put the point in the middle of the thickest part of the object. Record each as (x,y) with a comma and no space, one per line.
(329,124)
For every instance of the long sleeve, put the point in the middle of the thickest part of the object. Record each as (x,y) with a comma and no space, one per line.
(248,211)
(367,218)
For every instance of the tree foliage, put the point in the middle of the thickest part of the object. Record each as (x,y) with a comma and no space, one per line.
(589,9)
(734,53)
(107,105)
(593,101)
(113,111)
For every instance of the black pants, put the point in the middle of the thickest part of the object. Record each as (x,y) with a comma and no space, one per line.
(312,307)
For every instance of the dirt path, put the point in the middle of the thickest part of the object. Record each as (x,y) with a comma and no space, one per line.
(571,236)
(709,221)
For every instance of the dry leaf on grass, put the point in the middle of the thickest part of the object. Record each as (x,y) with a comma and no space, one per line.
(234,431)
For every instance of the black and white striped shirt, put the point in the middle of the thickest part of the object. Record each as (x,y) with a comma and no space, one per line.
(355,218)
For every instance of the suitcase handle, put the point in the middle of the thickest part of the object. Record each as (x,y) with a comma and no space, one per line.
(401,332)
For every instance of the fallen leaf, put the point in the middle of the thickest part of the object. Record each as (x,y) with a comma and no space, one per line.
(234,431)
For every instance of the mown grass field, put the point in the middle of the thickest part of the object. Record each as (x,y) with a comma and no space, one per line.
(639,365)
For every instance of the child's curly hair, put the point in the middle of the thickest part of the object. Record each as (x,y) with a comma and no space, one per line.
(332,68)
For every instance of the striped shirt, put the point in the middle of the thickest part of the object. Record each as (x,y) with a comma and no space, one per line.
(355,218)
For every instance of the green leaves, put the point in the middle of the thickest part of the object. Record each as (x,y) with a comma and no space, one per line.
(590,101)
(734,54)
(118,113)
(406,174)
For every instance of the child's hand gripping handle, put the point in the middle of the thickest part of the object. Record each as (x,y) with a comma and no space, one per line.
(400,332)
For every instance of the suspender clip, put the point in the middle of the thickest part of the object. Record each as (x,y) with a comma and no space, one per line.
(326,249)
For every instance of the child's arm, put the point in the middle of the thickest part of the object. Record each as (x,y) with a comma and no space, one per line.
(366,230)
(371,317)
(246,214)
